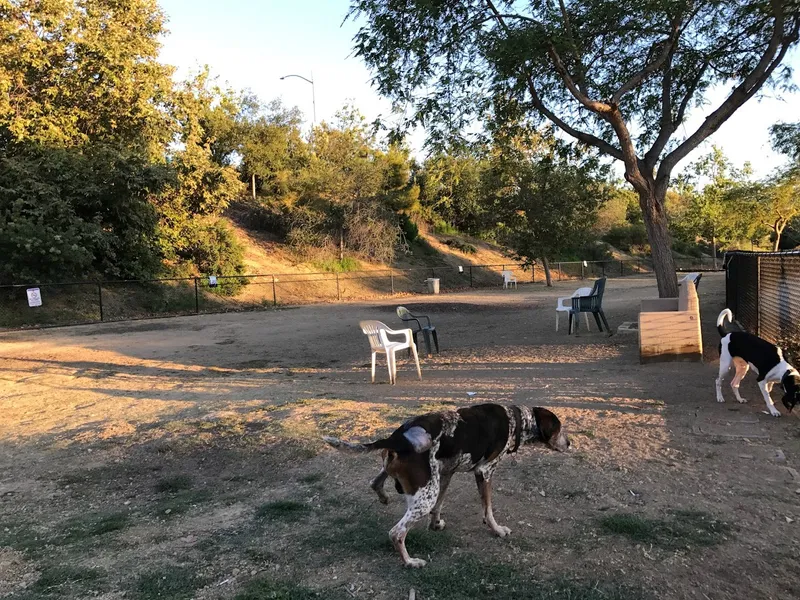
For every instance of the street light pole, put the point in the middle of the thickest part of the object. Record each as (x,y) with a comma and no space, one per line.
(313,93)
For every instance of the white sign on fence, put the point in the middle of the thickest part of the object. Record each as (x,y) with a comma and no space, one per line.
(212,281)
(34,297)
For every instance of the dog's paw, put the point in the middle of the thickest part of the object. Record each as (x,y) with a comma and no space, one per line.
(720,399)
(436,525)
(502,531)
(415,563)
(775,413)
(742,400)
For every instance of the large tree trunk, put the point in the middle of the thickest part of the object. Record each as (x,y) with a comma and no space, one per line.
(548,277)
(655,219)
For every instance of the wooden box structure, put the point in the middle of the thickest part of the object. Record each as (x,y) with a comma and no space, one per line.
(669,328)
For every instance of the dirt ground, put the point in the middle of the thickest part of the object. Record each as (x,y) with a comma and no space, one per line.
(181,458)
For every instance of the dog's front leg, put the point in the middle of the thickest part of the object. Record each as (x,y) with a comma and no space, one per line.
(484,481)
(436,521)
(419,505)
(766,388)
(377,486)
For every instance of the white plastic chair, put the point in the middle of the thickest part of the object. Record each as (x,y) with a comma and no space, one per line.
(508,279)
(565,303)
(378,334)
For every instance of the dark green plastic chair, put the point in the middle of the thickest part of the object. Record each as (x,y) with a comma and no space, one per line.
(428,331)
(593,303)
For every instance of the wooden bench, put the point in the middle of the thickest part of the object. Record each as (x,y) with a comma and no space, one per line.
(669,328)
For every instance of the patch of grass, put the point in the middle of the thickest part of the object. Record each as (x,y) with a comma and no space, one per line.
(470,578)
(176,483)
(265,588)
(179,503)
(683,529)
(23,536)
(589,433)
(281,510)
(331,265)
(175,583)
(444,228)
(311,478)
(88,526)
(54,579)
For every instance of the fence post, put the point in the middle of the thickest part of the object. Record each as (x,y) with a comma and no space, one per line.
(470,276)
(583,275)
(433,272)
(391,277)
(100,298)
(558,266)
(621,268)
(196,297)
(274,293)
(338,291)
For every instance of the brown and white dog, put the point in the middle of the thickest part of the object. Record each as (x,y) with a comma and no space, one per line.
(423,453)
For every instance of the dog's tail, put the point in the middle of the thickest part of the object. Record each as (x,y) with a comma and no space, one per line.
(352,446)
(725,315)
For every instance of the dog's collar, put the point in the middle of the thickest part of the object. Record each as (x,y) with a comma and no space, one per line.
(518,427)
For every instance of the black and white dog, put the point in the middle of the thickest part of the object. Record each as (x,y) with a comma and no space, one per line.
(743,350)
(423,454)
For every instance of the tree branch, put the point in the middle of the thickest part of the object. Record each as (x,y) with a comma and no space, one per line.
(582,136)
(779,43)
(592,105)
(580,80)
(637,78)
(667,126)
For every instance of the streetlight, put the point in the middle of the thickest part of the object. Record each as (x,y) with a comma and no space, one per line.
(313,97)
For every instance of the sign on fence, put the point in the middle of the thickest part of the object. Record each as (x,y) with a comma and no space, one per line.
(34,297)
(212,281)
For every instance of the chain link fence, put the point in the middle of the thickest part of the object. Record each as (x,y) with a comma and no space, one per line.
(762,289)
(92,302)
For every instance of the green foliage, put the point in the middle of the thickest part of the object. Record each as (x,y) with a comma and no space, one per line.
(83,71)
(77,213)
(462,246)
(544,197)
(409,228)
(345,265)
(444,228)
(628,237)
(786,139)
(681,530)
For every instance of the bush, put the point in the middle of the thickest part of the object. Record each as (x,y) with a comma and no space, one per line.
(627,237)
(409,229)
(461,246)
(444,228)
(213,250)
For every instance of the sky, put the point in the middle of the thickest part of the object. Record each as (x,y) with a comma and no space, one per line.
(252,44)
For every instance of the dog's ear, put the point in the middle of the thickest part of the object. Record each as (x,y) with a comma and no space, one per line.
(548,424)
(419,439)
(550,429)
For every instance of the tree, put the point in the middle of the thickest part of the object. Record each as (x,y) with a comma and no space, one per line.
(779,205)
(543,196)
(715,212)
(83,71)
(786,139)
(617,75)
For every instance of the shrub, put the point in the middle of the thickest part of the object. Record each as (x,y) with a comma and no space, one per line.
(213,250)
(461,246)
(444,228)
(409,228)
(626,237)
